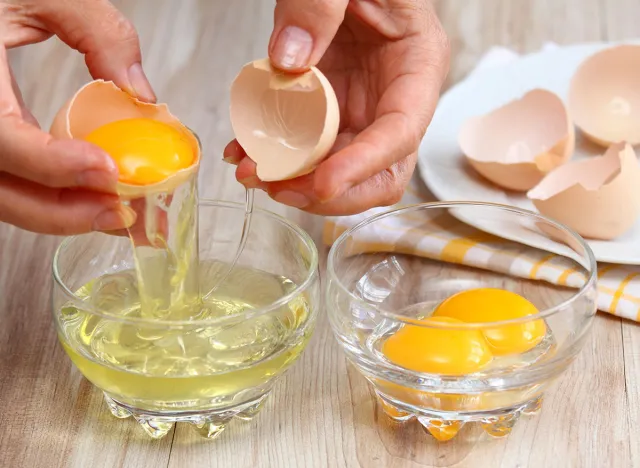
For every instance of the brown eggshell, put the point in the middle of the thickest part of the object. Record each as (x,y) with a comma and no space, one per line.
(516,145)
(286,123)
(101,102)
(598,197)
(604,96)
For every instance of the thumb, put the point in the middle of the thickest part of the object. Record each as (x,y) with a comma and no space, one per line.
(107,39)
(303,29)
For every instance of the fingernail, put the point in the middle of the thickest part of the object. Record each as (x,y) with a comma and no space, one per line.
(233,153)
(140,83)
(98,180)
(297,200)
(235,160)
(112,219)
(252,182)
(293,48)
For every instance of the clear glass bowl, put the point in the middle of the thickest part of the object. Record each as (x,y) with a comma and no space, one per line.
(204,370)
(379,287)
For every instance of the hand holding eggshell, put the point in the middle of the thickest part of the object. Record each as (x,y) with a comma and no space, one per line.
(155,153)
(48,185)
(287,123)
(100,103)
(385,102)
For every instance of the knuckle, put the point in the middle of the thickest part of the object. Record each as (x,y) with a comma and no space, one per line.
(124,30)
(438,33)
(395,180)
(314,10)
(393,190)
(440,39)
(329,7)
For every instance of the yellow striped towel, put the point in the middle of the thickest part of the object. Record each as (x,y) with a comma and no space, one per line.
(453,241)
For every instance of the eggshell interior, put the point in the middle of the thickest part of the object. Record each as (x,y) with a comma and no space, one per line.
(515,145)
(597,197)
(286,123)
(101,102)
(604,96)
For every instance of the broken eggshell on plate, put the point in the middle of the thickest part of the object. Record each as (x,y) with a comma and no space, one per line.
(597,197)
(101,102)
(286,123)
(516,145)
(604,96)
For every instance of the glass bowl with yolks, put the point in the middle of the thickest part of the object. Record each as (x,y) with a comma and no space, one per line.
(465,329)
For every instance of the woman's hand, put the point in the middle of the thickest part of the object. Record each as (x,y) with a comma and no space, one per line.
(54,186)
(387,60)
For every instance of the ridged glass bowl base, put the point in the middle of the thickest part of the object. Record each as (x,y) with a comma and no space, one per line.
(445,426)
(208,424)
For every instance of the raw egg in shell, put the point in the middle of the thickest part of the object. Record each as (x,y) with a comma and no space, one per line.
(286,123)
(604,96)
(516,145)
(598,197)
(153,150)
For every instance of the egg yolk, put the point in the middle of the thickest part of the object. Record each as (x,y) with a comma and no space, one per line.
(438,350)
(146,151)
(490,305)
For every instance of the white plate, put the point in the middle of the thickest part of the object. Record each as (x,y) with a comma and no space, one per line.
(443,167)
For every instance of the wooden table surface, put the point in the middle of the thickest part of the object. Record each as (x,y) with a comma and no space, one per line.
(321,414)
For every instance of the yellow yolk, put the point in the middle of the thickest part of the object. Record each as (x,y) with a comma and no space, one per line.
(438,350)
(490,305)
(146,151)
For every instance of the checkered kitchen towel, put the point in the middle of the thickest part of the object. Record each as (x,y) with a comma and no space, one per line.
(448,239)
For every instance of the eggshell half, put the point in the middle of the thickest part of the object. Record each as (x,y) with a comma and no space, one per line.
(604,96)
(599,197)
(286,123)
(516,145)
(101,102)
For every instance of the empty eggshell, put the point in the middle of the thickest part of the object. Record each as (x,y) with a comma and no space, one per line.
(604,96)
(516,145)
(597,197)
(101,102)
(285,123)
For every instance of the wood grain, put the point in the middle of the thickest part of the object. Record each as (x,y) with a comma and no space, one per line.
(322,413)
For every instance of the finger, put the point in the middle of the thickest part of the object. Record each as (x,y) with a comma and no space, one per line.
(303,30)
(59,211)
(384,189)
(246,173)
(106,38)
(233,153)
(149,230)
(11,101)
(403,114)
(26,114)
(139,232)
(29,153)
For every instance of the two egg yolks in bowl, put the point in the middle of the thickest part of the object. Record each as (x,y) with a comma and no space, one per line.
(433,348)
